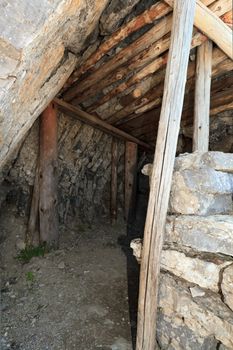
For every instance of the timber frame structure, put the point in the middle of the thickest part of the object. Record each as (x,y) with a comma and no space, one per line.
(153,85)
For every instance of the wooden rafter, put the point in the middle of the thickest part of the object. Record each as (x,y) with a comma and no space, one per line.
(102,76)
(140,125)
(214,28)
(151,36)
(144,63)
(98,123)
(152,98)
(149,16)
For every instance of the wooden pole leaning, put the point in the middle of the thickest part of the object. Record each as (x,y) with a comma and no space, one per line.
(168,131)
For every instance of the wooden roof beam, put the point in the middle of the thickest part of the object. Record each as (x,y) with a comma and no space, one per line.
(94,121)
(145,63)
(228,18)
(149,16)
(213,27)
(154,34)
(151,98)
(155,12)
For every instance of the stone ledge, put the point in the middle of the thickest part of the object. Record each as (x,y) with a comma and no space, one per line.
(212,234)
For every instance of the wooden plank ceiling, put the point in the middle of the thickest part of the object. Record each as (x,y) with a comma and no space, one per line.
(122,81)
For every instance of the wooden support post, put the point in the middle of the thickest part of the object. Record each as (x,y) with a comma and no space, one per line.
(131,153)
(168,131)
(48,177)
(32,237)
(202,97)
(114,180)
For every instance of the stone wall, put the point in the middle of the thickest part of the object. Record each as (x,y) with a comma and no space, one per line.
(84,170)
(196,291)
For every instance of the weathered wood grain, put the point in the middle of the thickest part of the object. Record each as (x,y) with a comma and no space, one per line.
(113,208)
(213,27)
(168,131)
(202,97)
(131,156)
(48,216)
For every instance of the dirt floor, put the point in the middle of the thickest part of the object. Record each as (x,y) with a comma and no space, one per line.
(80,297)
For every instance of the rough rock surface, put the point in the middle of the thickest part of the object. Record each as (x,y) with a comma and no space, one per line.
(215,160)
(206,274)
(84,169)
(211,234)
(219,161)
(227,286)
(221,133)
(192,323)
(198,185)
(35,61)
(202,191)
(195,298)
(115,14)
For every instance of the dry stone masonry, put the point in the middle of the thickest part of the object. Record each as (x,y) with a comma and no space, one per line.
(196,291)
(84,169)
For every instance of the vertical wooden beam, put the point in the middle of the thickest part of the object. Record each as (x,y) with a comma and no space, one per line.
(48,177)
(32,237)
(114,180)
(131,153)
(176,72)
(202,97)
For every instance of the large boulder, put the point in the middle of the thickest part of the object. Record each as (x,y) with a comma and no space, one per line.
(37,43)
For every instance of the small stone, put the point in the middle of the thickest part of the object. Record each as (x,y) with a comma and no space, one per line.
(196,292)
(33,321)
(61,265)
(20,245)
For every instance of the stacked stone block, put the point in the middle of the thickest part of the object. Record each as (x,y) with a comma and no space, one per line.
(196,291)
